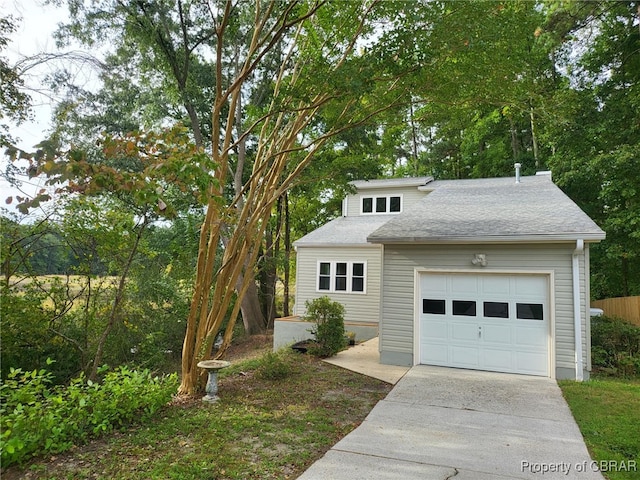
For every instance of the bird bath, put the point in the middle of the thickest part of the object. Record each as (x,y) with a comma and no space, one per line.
(212,367)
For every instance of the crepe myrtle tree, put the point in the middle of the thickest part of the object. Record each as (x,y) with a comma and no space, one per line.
(320,89)
(178,60)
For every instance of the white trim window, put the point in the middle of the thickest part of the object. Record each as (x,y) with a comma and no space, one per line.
(380,204)
(345,277)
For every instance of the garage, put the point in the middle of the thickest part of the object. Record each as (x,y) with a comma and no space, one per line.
(488,274)
(495,322)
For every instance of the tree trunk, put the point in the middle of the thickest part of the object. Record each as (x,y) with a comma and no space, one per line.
(270,273)
(115,306)
(534,138)
(414,139)
(514,140)
(287,256)
(195,124)
(252,317)
(625,276)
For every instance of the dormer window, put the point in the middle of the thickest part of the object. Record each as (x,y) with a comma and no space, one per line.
(382,204)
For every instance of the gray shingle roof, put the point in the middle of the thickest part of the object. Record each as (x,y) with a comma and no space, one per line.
(495,209)
(344,231)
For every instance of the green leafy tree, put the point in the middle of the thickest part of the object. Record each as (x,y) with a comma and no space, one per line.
(14,101)
(125,185)
(596,135)
(297,64)
(160,70)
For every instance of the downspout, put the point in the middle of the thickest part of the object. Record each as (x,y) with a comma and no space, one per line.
(577,316)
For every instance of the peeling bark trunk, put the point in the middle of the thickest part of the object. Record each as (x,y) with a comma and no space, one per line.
(287,256)
(252,316)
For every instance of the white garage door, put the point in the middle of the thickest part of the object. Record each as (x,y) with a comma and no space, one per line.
(485,322)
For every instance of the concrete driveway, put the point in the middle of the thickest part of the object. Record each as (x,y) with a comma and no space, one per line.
(440,423)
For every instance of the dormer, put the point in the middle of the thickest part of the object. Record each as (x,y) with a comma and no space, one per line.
(384,197)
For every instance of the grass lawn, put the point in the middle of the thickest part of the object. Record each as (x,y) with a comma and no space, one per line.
(260,428)
(277,415)
(608,414)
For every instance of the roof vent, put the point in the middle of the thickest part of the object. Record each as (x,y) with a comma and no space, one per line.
(518,165)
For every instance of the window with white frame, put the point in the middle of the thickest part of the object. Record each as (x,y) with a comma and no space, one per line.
(381,204)
(348,277)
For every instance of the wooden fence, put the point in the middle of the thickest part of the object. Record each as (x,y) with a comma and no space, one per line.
(627,308)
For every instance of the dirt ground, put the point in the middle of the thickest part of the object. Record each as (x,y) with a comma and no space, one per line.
(247,347)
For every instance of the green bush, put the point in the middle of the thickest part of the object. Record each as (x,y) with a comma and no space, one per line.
(329,326)
(615,346)
(27,340)
(38,418)
(274,366)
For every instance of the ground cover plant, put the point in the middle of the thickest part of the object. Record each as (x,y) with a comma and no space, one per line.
(277,414)
(38,417)
(607,411)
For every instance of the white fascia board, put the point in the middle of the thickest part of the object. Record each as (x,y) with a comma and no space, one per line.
(490,239)
(391,183)
(335,245)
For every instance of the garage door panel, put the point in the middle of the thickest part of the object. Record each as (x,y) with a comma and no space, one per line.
(508,331)
(530,287)
(466,357)
(532,363)
(434,283)
(497,359)
(435,330)
(464,332)
(530,337)
(435,353)
(497,285)
(464,285)
(500,334)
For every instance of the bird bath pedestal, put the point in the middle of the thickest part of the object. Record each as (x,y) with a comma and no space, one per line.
(212,367)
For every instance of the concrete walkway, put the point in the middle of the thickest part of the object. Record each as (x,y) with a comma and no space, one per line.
(364,358)
(440,423)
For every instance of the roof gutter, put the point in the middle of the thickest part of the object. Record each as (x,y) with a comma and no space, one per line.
(577,316)
(533,238)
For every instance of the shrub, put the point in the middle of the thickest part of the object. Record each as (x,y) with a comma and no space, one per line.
(615,346)
(37,418)
(27,340)
(274,366)
(329,326)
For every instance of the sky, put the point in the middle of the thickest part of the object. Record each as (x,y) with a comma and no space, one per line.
(33,35)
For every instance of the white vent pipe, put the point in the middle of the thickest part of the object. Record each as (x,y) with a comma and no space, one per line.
(518,166)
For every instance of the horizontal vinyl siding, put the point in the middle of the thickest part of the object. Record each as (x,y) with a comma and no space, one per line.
(400,262)
(410,195)
(358,307)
